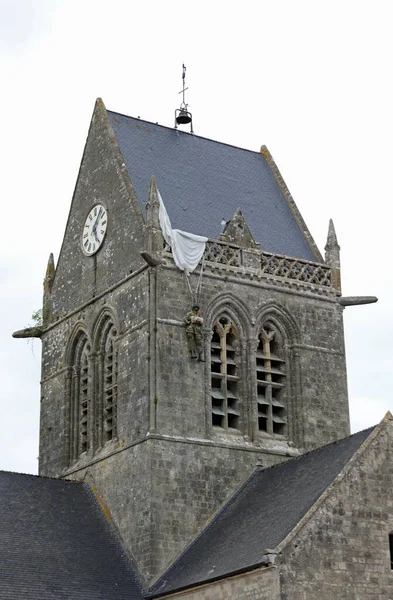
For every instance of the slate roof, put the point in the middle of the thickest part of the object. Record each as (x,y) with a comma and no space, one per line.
(55,543)
(202,182)
(263,512)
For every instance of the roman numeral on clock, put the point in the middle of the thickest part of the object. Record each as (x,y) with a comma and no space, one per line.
(94,230)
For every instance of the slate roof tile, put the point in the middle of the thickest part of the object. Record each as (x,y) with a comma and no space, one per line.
(202,182)
(259,516)
(55,543)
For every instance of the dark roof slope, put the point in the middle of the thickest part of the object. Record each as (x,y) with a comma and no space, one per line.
(55,543)
(264,511)
(202,182)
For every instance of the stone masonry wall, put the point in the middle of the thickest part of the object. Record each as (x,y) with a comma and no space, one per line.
(190,483)
(161,493)
(342,552)
(316,369)
(129,306)
(191,468)
(123,483)
(168,471)
(262,584)
(103,178)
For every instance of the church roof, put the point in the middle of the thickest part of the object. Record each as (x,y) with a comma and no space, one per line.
(56,543)
(259,516)
(203,182)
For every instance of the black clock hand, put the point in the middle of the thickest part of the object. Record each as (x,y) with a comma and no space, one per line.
(96,221)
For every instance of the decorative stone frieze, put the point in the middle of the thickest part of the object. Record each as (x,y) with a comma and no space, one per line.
(267,264)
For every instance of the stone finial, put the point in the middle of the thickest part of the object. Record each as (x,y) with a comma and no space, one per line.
(49,276)
(238,232)
(153,200)
(332,256)
(332,248)
(155,241)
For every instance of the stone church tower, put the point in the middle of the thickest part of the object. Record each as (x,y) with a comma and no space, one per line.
(163,438)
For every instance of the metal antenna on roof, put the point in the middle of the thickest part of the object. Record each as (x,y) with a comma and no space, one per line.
(182,115)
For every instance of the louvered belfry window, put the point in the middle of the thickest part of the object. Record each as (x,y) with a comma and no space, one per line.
(79,393)
(225,375)
(271,382)
(109,400)
(84,400)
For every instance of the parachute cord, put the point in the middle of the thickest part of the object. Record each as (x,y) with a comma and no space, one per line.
(187,276)
(198,288)
(195,296)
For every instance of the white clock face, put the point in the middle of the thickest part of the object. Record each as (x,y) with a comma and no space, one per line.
(94,229)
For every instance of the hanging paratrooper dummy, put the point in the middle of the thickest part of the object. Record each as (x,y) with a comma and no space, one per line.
(194,322)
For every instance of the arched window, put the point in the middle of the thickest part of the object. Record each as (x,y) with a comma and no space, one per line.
(225,374)
(80,398)
(270,365)
(108,382)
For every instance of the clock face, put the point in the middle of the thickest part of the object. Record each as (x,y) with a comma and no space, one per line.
(94,229)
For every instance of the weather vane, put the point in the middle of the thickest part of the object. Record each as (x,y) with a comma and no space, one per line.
(182,115)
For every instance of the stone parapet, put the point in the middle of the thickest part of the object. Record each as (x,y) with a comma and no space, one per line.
(267,265)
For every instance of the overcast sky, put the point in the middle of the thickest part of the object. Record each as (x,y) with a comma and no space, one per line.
(310,79)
